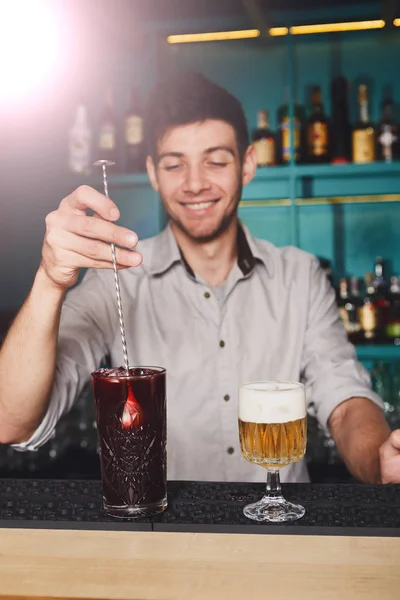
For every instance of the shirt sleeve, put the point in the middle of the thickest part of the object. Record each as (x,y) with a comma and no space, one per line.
(85,337)
(330,367)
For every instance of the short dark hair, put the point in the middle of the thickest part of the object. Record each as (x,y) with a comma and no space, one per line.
(191,98)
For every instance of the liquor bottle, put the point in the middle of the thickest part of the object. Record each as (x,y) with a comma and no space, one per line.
(80,136)
(356,304)
(107,134)
(381,286)
(380,282)
(340,133)
(393,323)
(326,266)
(387,134)
(369,316)
(264,141)
(349,303)
(285,126)
(363,132)
(134,145)
(317,134)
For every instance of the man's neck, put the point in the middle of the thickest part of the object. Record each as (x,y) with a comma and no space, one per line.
(212,260)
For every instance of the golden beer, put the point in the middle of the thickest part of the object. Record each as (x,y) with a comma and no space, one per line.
(273,434)
(273,445)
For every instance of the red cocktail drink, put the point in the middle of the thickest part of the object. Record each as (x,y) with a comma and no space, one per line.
(131,423)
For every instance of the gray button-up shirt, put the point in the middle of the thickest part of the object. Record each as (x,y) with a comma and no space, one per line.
(275,318)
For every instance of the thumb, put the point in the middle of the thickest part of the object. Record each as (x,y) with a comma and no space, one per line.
(391,447)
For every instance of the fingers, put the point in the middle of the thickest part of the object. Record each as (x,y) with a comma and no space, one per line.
(389,454)
(74,240)
(85,197)
(83,262)
(90,249)
(394,440)
(90,227)
(391,447)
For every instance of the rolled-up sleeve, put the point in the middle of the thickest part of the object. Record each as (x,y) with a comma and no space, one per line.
(85,334)
(331,371)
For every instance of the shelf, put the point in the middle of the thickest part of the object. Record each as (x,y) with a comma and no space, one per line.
(339,184)
(272,173)
(349,170)
(379,352)
(270,185)
(325,184)
(328,170)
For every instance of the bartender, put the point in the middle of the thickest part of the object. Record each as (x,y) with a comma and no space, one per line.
(204,298)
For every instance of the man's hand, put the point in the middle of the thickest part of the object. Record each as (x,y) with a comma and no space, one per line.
(389,454)
(75,240)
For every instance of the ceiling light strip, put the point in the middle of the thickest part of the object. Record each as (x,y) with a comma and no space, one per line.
(213,36)
(279,31)
(330,27)
(333,27)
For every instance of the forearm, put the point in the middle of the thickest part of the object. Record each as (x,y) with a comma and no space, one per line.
(27,361)
(359,429)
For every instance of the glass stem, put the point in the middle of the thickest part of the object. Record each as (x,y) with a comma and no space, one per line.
(273,490)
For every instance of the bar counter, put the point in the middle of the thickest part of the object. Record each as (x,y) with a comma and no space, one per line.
(56,541)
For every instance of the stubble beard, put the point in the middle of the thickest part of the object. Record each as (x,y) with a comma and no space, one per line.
(222,226)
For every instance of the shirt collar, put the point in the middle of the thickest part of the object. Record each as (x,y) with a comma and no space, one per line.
(167,252)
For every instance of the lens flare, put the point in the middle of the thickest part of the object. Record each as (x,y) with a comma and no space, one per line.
(29,47)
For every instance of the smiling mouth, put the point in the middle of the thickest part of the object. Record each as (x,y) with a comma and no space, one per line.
(199,205)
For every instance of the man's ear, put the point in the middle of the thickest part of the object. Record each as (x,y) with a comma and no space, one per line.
(151,171)
(249,165)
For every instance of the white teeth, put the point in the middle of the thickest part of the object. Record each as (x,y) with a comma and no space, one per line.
(199,205)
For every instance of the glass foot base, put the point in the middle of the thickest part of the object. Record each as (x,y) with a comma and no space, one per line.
(276,510)
(136,512)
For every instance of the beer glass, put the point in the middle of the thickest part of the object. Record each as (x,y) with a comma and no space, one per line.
(131,424)
(273,434)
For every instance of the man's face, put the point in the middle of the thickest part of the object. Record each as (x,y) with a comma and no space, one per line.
(199,176)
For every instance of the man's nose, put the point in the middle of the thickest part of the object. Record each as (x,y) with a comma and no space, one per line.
(196,180)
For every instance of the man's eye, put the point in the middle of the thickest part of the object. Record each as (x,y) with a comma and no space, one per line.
(171,167)
(217,164)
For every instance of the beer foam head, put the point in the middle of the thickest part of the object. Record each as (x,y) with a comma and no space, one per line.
(272,402)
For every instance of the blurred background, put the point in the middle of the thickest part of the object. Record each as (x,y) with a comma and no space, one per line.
(319,84)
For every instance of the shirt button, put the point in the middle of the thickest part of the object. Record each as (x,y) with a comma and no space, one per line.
(230,450)
(226,397)
(222,343)
(207,295)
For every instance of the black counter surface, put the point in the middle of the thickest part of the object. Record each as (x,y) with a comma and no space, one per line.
(331,509)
